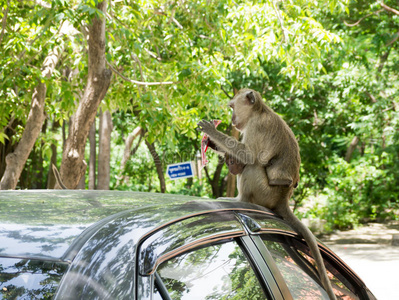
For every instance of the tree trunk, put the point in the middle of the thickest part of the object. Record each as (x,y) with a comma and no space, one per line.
(16,161)
(214,182)
(104,152)
(231,179)
(51,181)
(128,153)
(231,185)
(73,164)
(93,158)
(82,183)
(351,148)
(158,165)
(8,146)
(128,145)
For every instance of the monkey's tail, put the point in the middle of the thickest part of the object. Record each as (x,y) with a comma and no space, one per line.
(288,215)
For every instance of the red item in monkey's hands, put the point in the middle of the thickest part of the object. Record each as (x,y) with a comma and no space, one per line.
(205,143)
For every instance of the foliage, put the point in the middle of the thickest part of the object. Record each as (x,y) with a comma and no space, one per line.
(329,68)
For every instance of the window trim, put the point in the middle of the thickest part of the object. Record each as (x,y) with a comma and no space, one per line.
(273,270)
(161,287)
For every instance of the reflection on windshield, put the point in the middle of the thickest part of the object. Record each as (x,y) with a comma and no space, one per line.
(211,273)
(301,285)
(299,271)
(29,279)
(184,233)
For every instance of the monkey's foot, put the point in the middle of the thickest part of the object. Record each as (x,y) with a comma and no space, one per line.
(228,198)
(280,182)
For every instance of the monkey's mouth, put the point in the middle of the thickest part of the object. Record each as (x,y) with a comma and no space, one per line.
(234,121)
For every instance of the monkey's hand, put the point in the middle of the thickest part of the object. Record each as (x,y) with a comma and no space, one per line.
(207,127)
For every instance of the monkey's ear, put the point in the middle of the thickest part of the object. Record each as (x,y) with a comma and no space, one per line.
(251,97)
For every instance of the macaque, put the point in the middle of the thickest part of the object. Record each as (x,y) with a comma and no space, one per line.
(270,160)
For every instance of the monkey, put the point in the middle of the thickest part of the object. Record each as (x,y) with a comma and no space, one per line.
(270,153)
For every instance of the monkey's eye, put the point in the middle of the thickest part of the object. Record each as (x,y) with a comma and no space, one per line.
(231,105)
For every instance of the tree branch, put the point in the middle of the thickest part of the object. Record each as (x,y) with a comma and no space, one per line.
(158,165)
(9,124)
(285,37)
(4,21)
(221,86)
(361,19)
(390,9)
(128,144)
(383,59)
(373,99)
(177,23)
(152,54)
(351,148)
(136,59)
(393,40)
(138,82)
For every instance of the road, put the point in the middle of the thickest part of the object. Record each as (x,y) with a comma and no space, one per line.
(368,252)
(377,265)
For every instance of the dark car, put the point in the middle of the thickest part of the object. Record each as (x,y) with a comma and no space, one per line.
(127,245)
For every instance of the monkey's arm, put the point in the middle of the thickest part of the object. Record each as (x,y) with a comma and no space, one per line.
(227,144)
(215,148)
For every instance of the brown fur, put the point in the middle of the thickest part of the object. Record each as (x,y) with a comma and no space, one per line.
(271,157)
(235,167)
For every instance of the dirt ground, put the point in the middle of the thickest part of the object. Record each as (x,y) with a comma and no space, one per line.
(369,251)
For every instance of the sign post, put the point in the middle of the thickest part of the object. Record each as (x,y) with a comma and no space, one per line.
(199,167)
(180,170)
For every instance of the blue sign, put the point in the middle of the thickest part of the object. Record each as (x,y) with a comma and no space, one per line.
(180,170)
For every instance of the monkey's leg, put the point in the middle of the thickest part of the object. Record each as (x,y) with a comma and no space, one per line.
(277,176)
(289,216)
(228,198)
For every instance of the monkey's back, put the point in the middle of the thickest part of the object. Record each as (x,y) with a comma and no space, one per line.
(273,143)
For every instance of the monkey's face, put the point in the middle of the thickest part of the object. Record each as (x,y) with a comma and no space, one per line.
(242,105)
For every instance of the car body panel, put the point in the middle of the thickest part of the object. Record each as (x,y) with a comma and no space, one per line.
(108,244)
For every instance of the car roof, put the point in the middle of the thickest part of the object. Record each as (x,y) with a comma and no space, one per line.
(55,224)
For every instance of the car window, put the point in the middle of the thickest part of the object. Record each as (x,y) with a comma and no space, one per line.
(29,279)
(300,275)
(215,272)
(179,236)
